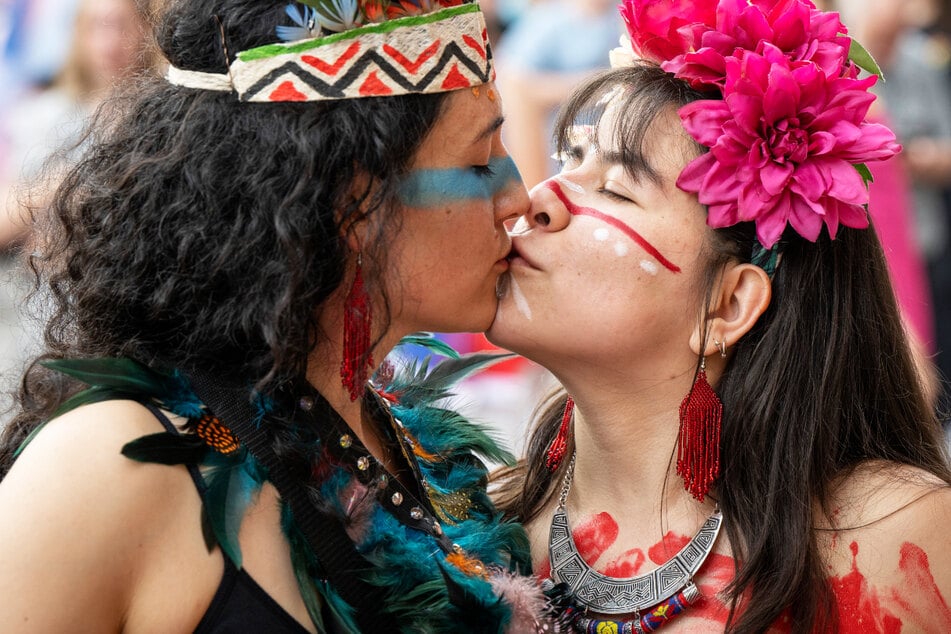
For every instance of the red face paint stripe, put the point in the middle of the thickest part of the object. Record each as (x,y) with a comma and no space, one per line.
(575,210)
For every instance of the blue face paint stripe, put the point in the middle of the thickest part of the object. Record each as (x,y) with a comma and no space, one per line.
(436,187)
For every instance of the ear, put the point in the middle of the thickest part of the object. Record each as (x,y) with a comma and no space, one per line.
(354,228)
(740,298)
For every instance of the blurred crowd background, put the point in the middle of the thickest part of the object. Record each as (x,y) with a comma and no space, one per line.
(61,59)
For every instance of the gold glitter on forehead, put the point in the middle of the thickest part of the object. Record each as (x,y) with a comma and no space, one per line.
(475,91)
(491,94)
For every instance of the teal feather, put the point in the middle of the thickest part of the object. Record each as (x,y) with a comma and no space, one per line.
(406,562)
(471,603)
(232,485)
(309,577)
(167,448)
(452,371)
(340,609)
(304,571)
(456,433)
(428,341)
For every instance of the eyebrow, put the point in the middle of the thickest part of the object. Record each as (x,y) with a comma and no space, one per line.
(637,169)
(489,129)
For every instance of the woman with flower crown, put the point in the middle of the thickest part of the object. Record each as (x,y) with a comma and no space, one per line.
(200,447)
(742,442)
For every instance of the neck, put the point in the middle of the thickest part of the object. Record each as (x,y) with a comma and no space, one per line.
(625,444)
(323,372)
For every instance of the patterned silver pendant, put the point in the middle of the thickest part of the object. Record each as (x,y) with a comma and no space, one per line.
(615,595)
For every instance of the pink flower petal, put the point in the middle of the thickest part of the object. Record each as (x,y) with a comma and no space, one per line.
(846,183)
(704,120)
(782,96)
(854,216)
(803,218)
(722,215)
(775,177)
(770,226)
(691,178)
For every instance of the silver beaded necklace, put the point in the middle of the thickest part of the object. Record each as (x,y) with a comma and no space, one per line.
(616,595)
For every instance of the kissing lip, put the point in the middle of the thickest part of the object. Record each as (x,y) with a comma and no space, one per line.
(517,257)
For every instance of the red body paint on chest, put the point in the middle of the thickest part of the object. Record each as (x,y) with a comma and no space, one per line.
(575,210)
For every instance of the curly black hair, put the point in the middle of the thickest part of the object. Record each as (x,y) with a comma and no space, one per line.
(200,232)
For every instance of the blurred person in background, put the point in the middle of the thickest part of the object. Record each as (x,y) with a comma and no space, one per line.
(35,36)
(917,99)
(545,52)
(42,133)
(108,45)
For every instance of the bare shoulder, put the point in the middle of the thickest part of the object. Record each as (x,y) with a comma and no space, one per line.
(890,545)
(75,516)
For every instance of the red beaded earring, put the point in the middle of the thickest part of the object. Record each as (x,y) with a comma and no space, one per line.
(559,444)
(354,369)
(698,441)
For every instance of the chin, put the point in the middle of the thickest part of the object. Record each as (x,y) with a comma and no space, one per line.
(478,318)
(503,331)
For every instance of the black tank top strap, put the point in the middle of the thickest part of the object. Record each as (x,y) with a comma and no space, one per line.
(170,428)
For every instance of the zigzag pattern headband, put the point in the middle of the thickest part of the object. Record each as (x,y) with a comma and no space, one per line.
(436,52)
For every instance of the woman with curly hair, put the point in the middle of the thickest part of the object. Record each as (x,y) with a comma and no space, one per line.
(742,442)
(226,264)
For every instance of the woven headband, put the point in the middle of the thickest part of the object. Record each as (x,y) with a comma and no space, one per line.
(437,52)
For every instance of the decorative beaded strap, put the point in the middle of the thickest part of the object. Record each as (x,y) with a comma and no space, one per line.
(437,52)
(650,622)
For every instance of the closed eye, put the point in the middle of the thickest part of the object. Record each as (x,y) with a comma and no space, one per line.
(485,171)
(613,195)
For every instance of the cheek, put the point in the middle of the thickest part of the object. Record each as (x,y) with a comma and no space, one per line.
(619,250)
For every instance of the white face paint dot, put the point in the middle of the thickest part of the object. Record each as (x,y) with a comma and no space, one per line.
(601,234)
(621,249)
(649,266)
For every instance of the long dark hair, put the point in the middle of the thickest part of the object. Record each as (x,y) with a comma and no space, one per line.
(823,382)
(200,232)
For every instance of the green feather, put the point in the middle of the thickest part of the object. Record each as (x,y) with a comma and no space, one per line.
(95,394)
(124,374)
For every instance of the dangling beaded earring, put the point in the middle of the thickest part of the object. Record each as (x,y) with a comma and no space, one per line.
(559,444)
(356,336)
(698,442)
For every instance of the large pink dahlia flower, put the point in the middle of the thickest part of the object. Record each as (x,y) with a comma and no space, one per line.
(783,144)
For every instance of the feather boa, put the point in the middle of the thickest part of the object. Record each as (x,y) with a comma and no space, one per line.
(427,591)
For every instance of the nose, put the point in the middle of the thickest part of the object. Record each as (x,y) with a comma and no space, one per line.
(511,203)
(548,211)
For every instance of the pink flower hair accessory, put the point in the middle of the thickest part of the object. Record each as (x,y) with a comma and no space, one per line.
(789,138)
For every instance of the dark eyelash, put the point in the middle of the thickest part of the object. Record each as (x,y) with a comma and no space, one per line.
(614,195)
(484,170)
